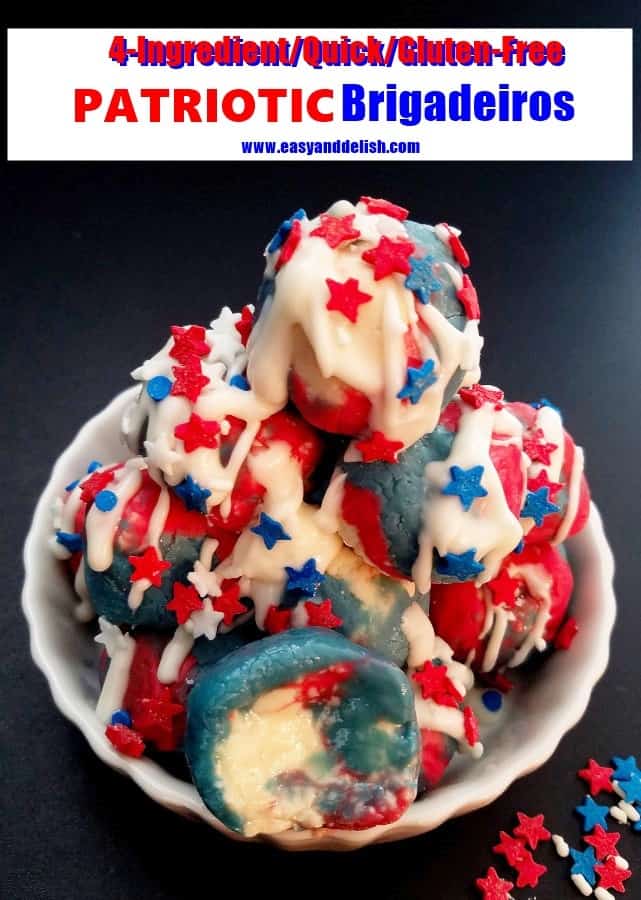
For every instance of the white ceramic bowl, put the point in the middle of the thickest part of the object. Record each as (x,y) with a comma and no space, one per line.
(538,715)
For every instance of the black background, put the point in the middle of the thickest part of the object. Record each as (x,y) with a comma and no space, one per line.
(100,259)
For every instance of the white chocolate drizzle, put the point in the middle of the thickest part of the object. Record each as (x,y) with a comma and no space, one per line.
(489,526)
(296,330)
(120,649)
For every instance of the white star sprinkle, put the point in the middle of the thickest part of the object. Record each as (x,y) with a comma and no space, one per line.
(205,582)
(204,621)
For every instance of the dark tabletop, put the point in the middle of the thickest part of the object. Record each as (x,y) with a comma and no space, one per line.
(100,259)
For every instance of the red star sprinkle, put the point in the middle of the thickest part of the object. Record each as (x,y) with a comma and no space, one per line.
(542,480)
(504,589)
(536,447)
(611,876)
(530,871)
(378,205)
(471,726)
(478,395)
(512,849)
(565,637)
(604,842)
(154,716)
(277,619)
(184,601)
(336,230)
(379,448)
(197,433)
(531,829)
(436,685)
(228,602)
(290,245)
(245,324)
(189,343)
(345,297)
(390,256)
(493,887)
(96,482)
(598,777)
(149,566)
(125,740)
(322,614)
(457,248)
(469,298)
(189,380)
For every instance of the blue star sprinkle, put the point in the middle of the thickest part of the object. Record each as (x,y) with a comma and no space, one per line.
(121,717)
(538,506)
(466,485)
(584,864)
(537,404)
(593,814)
(492,700)
(105,500)
(159,387)
(270,530)
(285,227)
(72,485)
(632,788)
(239,381)
(418,380)
(93,465)
(459,565)
(421,280)
(624,769)
(304,580)
(192,495)
(519,547)
(69,540)
(637,826)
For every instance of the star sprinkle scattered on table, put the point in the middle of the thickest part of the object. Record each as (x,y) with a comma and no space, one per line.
(592,814)
(531,829)
(604,842)
(494,888)
(584,863)
(599,778)
(611,876)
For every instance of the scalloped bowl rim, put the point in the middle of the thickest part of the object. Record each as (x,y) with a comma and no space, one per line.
(514,756)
